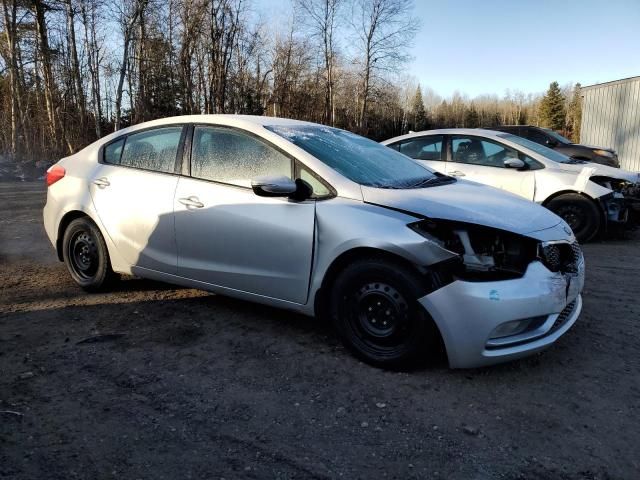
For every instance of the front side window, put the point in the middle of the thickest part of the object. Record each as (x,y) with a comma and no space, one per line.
(536,147)
(153,149)
(359,159)
(229,156)
(557,137)
(422,148)
(320,190)
(476,151)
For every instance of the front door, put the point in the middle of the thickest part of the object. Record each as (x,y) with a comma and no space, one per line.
(230,237)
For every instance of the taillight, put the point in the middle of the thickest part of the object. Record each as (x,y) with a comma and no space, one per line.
(55,173)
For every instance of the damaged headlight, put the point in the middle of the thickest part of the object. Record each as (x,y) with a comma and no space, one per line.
(618,185)
(485,253)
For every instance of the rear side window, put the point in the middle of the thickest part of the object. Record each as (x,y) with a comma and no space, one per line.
(229,156)
(152,150)
(113,151)
(423,148)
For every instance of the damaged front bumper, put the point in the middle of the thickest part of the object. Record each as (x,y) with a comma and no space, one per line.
(483,323)
(615,207)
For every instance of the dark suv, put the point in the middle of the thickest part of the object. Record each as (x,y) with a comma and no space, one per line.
(551,139)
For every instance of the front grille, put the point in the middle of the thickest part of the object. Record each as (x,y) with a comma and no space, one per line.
(561,257)
(565,314)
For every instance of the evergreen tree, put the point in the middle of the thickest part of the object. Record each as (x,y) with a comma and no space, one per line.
(552,110)
(574,114)
(471,117)
(418,112)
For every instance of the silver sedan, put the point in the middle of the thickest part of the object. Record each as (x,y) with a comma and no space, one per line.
(321,221)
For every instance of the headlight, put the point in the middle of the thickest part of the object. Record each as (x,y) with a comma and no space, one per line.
(486,253)
(603,153)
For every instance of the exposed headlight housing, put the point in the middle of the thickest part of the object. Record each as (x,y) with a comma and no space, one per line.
(485,253)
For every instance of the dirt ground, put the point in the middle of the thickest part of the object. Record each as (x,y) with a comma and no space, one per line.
(187,384)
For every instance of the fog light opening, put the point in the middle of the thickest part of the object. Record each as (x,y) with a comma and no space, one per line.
(516,327)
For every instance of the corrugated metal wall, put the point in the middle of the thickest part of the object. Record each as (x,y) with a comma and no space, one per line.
(611,118)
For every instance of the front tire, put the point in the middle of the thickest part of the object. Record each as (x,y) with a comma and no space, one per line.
(373,305)
(581,213)
(86,256)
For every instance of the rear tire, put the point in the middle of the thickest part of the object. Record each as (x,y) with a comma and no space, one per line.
(86,256)
(581,213)
(373,305)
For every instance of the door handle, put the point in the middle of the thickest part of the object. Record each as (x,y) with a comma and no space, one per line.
(457,173)
(191,202)
(101,182)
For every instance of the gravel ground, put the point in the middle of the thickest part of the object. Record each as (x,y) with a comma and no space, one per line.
(152,381)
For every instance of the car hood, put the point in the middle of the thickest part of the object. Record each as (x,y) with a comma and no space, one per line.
(594,147)
(469,202)
(600,170)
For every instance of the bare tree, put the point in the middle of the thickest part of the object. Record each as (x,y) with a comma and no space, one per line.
(384,29)
(10,12)
(93,51)
(75,63)
(129,12)
(322,17)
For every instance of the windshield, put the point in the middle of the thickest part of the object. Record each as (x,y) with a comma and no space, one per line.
(536,147)
(557,136)
(361,160)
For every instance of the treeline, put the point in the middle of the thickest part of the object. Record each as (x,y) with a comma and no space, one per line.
(72,71)
(559,109)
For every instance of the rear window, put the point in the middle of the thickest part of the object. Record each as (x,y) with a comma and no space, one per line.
(153,149)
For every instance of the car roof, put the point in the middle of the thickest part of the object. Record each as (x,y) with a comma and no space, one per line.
(245,122)
(447,131)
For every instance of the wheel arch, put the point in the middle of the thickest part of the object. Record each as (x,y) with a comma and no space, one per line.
(347,257)
(321,303)
(66,219)
(603,218)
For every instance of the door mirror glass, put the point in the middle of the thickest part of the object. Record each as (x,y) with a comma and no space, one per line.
(513,163)
(273,186)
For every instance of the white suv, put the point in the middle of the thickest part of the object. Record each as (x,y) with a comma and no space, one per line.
(586,195)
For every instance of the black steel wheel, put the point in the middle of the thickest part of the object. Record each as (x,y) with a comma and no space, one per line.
(580,213)
(86,256)
(374,307)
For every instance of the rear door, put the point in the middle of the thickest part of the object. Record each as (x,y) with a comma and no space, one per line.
(230,237)
(482,160)
(427,149)
(133,189)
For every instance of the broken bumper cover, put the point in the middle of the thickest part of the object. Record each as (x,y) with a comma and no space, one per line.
(616,208)
(470,315)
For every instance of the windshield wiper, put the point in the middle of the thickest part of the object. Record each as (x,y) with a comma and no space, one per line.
(433,181)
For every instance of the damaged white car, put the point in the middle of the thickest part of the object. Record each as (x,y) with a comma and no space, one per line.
(588,196)
(322,222)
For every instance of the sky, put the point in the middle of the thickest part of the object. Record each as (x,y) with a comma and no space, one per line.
(488,46)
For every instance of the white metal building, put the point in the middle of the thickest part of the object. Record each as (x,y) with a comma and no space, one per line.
(611,118)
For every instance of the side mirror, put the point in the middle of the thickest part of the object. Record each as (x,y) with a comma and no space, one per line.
(273,186)
(513,163)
